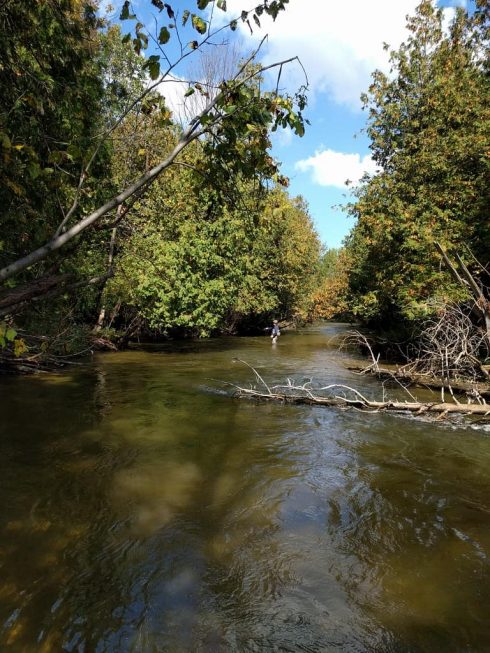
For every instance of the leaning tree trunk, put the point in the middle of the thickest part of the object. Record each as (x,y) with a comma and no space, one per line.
(467,281)
(110,260)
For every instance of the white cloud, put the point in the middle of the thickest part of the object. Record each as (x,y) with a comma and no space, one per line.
(449,15)
(330,168)
(282,137)
(339,43)
(173,89)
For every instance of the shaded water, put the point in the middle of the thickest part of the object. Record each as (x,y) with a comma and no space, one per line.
(143,510)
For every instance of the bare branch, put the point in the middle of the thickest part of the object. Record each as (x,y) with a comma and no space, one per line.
(352,398)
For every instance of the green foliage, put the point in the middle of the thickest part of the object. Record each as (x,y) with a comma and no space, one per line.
(10,341)
(51,89)
(214,244)
(203,258)
(330,299)
(429,125)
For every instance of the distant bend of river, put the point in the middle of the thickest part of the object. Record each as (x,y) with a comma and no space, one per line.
(146,511)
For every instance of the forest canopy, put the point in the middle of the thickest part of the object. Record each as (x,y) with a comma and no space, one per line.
(120,218)
(429,126)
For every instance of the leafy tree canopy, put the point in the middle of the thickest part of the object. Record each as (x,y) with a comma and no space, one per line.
(429,124)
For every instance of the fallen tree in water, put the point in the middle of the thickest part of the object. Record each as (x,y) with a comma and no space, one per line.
(444,358)
(344,396)
(402,375)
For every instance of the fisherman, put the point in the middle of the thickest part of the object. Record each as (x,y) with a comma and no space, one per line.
(275,333)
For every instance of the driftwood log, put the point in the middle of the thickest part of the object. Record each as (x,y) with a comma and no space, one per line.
(345,396)
(423,380)
(362,403)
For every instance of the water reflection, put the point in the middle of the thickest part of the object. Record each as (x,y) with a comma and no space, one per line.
(144,512)
(414,511)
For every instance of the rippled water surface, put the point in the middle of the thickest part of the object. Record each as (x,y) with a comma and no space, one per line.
(144,510)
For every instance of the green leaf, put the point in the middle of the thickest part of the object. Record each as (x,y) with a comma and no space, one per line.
(10,334)
(189,91)
(193,45)
(202,4)
(34,170)
(221,4)
(73,151)
(299,129)
(164,36)
(199,24)
(185,16)
(5,141)
(124,15)
(154,69)
(20,347)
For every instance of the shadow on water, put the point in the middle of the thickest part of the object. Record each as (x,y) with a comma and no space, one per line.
(143,510)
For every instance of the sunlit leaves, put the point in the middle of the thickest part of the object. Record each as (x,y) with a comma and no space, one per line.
(20,347)
(199,24)
(216,261)
(9,340)
(50,110)
(428,123)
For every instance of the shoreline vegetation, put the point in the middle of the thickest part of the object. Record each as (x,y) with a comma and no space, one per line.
(121,221)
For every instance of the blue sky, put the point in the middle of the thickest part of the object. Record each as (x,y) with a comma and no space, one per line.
(340,45)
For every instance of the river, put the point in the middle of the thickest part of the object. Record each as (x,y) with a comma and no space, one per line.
(143,510)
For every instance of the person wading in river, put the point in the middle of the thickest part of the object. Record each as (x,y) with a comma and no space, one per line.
(275,333)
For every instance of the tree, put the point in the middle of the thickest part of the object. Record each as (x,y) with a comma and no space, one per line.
(330,299)
(199,258)
(49,107)
(236,114)
(429,129)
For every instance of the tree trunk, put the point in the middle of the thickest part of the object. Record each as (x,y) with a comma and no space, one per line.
(442,408)
(467,281)
(110,259)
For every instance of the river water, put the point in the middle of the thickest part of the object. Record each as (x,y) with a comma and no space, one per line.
(143,510)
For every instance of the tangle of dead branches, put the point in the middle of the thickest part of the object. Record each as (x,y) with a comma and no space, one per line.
(451,346)
(345,396)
